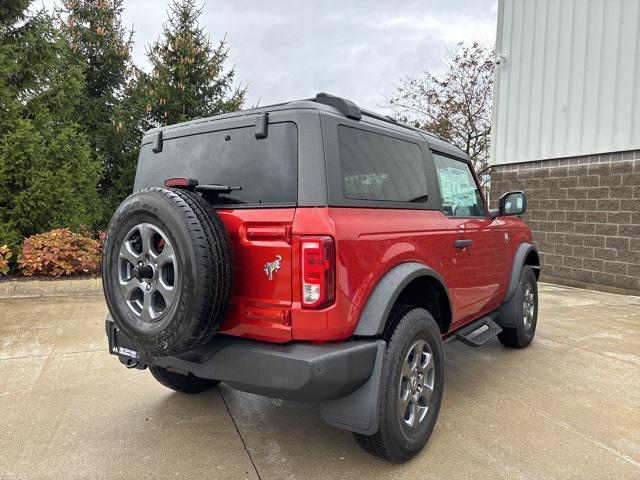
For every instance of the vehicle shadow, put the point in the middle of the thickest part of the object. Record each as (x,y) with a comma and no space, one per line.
(288,439)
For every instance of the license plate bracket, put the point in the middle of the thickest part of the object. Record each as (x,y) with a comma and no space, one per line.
(120,346)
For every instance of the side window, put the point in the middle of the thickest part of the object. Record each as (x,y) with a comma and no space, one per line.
(460,194)
(379,167)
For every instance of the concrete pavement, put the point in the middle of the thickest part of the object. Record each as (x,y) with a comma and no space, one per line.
(567,407)
(50,287)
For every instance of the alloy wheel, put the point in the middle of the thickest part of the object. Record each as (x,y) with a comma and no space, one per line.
(147,272)
(417,381)
(528,306)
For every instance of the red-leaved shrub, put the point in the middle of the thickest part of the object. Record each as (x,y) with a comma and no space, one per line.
(5,255)
(59,252)
(101,236)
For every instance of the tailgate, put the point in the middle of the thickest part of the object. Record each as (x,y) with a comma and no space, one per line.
(261,302)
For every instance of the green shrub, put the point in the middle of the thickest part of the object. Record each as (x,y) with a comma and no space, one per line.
(9,236)
(59,252)
(5,255)
(47,180)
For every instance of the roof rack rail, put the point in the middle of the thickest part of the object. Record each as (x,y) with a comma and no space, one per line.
(389,118)
(351,110)
(344,106)
(379,116)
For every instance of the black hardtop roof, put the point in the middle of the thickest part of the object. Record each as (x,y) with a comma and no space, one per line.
(331,104)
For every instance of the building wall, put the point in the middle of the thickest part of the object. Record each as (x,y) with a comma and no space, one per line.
(585,216)
(570,84)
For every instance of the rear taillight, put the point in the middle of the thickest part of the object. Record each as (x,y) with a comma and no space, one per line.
(318,272)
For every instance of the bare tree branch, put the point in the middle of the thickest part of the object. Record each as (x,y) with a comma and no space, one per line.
(455,104)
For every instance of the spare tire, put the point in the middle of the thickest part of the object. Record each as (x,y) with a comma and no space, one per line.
(167,270)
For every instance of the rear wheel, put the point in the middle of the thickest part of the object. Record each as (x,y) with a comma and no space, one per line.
(412,385)
(522,334)
(182,383)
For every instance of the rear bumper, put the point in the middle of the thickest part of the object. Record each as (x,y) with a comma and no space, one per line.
(295,371)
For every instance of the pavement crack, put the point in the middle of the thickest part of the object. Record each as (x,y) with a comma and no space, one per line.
(244,444)
(22,357)
(574,430)
(578,347)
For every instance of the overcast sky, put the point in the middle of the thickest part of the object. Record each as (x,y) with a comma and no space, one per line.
(286,49)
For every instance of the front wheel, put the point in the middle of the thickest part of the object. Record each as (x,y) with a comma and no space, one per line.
(522,334)
(412,384)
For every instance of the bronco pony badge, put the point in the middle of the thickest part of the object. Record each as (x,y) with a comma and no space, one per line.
(271,267)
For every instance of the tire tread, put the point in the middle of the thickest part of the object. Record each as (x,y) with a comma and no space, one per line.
(213,262)
(381,443)
(515,337)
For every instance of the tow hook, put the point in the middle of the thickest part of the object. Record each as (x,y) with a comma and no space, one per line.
(132,363)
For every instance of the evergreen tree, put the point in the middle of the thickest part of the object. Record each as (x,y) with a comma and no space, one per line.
(98,43)
(52,179)
(130,123)
(26,44)
(74,107)
(188,77)
(12,10)
(48,172)
(114,105)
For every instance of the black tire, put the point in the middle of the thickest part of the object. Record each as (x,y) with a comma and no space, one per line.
(395,440)
(522,334)
(198,276)
(182,383)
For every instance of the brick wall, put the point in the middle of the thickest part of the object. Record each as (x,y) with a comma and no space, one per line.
(585,216)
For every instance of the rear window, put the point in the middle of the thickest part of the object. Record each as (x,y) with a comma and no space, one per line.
(379,167)
(266,169)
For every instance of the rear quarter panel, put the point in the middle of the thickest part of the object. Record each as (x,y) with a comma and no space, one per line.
(369,243)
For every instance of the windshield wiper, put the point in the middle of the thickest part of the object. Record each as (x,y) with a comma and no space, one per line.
(215,188)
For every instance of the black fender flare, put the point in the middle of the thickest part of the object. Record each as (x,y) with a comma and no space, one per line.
(518,263)
(381,300)
(510,305)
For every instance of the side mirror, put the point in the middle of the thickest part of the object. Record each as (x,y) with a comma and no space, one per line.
(512,203)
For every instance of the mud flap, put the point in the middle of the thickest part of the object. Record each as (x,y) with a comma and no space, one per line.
(510,311)
(358,412)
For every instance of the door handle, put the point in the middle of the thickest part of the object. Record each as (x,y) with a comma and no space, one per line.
(462,243)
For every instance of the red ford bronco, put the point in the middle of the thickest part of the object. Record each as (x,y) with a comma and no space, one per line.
(315,251)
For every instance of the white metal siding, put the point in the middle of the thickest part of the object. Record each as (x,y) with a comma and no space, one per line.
(571,83)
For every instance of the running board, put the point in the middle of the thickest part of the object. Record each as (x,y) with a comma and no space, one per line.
(479,332)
